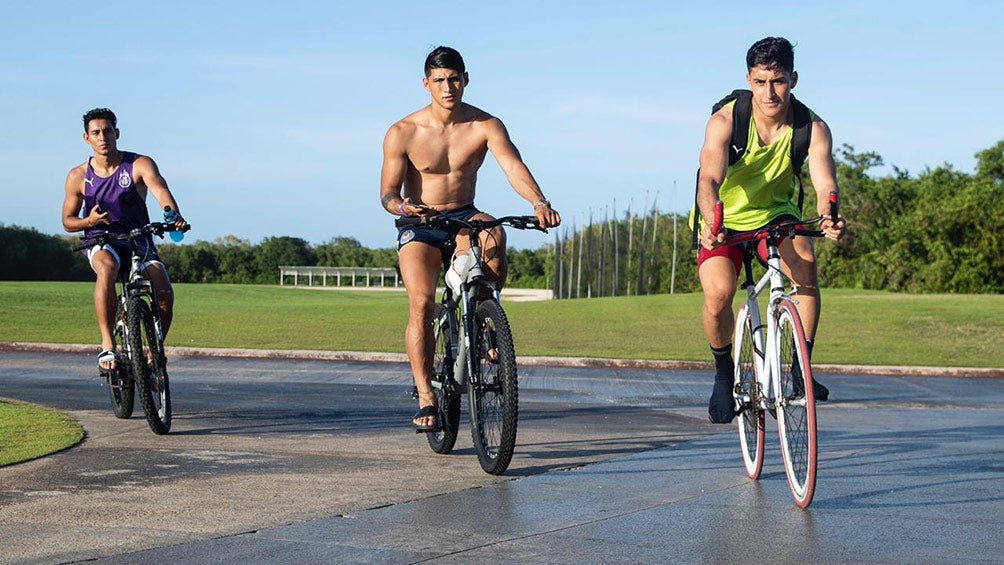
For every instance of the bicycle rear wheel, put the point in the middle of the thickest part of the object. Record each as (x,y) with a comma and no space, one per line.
(493,390)
(120,382)
(445,388)
(149,367)
(796,418)
(747,389)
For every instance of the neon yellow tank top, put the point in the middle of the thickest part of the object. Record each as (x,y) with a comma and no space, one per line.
(760,186)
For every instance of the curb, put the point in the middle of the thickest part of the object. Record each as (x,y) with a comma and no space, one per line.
(362,356)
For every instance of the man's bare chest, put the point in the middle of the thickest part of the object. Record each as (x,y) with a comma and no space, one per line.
(446,153)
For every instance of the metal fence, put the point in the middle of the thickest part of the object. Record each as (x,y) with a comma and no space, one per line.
(339,276)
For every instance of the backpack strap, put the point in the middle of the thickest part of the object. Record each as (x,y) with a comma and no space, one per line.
(742,110)
(801,135)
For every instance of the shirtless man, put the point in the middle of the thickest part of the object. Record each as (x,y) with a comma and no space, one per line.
(109,191)
(434,155)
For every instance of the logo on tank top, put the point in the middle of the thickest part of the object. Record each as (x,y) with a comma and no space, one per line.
(125,179)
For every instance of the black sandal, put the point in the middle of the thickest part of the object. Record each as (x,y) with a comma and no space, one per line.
(425,412)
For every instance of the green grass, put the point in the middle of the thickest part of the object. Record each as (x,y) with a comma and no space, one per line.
(857,327)
(29,431)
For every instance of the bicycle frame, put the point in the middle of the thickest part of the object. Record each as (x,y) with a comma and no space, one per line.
(134,285)
(464,367)
(765,354)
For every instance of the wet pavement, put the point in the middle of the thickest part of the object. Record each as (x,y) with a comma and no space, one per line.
(312,461)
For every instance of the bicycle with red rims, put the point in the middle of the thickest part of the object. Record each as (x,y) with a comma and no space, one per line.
(474,351)
(138,336)
(772,369)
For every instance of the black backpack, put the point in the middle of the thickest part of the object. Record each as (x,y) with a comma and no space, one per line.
(741,112)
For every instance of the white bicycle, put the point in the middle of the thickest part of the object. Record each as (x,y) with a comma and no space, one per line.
(772,369)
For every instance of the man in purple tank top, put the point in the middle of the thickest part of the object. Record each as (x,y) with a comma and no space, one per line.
(108,193)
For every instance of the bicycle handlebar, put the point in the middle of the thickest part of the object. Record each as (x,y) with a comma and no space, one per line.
(154,228)
(442,222)
(779,230)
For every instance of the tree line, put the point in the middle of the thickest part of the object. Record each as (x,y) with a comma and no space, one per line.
(939,231)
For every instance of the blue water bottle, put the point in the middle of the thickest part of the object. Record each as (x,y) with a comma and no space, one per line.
(170,216)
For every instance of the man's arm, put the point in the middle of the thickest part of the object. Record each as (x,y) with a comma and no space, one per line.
(74,199)
(823,173)
(714,165)
(393,172)
(146,172)
(518,173)
(395,166)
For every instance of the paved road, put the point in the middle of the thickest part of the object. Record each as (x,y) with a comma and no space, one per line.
(313,461)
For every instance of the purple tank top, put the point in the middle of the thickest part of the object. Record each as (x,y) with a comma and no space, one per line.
(118,195)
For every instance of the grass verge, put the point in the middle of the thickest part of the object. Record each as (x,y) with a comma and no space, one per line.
(857,327)
(29,431)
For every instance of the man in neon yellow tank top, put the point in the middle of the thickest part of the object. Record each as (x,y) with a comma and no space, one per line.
(757,190)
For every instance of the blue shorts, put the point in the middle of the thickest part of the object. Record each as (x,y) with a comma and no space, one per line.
(440,239)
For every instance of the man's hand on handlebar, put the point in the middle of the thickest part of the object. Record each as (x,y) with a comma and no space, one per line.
(547,217)
(833,230)
(180,224)
(712,241)
(713,234)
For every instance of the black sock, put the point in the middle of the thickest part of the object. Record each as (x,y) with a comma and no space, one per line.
(721,407)
(808,345)
(724,366)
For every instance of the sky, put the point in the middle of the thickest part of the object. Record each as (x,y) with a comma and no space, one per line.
(267,118)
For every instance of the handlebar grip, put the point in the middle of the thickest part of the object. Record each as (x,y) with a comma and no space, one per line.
(409,221)
(716,226)
(834,206)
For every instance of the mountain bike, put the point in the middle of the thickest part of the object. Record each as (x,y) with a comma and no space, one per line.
(137,335)
(474,351)
(772,369)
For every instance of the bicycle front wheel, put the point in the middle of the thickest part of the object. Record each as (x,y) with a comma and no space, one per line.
(796,418)
(150,367)
(445,388)
(747,390)
(120,382)
(493,389)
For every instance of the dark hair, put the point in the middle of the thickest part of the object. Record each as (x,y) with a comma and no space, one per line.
(444,58)
(771,52)
(100,114)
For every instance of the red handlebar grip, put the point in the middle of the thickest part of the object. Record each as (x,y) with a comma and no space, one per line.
(716,227)
(834,206)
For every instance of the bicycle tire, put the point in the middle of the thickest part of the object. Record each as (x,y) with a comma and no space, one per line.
(796,406)
(149,367)
(493,391)
(120,382)
(445,388)
(747,389)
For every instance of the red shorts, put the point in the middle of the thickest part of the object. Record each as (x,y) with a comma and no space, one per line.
(733,252)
